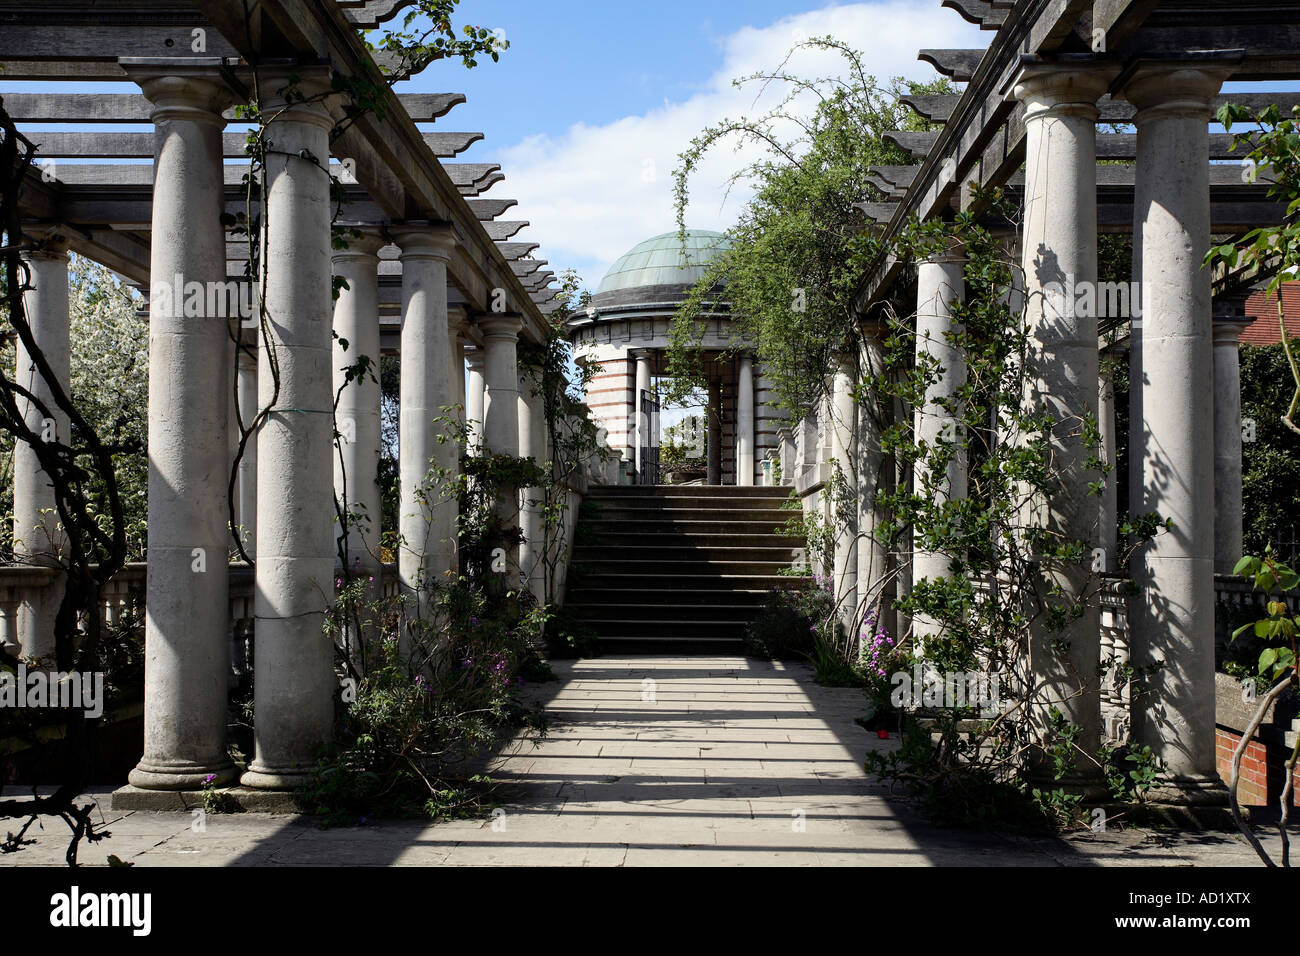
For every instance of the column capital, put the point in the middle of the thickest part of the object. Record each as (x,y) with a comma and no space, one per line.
(474,358)
(1177,85)
(51,242)
(425,240)
(1066,87)
(195,90)
(457,320)
(501,327)
(874,330)
(312,101)
(950,251)
(1228,329)
(366,245)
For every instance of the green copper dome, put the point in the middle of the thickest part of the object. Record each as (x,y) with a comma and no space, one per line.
(660,261)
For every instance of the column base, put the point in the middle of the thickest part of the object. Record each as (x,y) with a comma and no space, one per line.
(181,776)
(1197,791)
(271,779)
(1092,789)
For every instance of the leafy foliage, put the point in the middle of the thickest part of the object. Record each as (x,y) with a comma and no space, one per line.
(798,251)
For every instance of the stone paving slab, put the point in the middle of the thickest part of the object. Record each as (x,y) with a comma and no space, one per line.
(731,761)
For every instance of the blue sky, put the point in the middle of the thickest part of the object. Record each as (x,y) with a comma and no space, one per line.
(576,60)
(589,108)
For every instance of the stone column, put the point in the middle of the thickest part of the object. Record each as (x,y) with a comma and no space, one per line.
(1227,443)
(1174,625)
(714,418)
(474,399)
(501,411)
(357,417)
(745,421)
(641,426)
(457,330)
(428,513)
(806,449)
(532,444)
(873,557)
(1108,505)
(843,515)
(187,603)
(246,482)
(1059,253)
(38,536)
(940,281)
(295,686)
(785,454)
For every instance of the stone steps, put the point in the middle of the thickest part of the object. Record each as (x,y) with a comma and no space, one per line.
(678,570)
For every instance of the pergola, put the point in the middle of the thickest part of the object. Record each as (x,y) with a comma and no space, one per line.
(1035,118)
(435,277)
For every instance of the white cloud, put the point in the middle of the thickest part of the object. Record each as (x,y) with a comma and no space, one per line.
(595,191)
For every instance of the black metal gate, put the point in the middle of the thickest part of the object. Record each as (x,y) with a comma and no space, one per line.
(648,437)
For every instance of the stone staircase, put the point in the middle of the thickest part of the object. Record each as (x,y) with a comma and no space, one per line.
(678,569)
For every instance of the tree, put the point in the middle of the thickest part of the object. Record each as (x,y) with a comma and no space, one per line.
(800,247)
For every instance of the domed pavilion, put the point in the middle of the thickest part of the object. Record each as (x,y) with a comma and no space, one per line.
(625,330)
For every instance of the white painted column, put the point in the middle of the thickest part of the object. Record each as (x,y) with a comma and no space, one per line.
(187,592)
(457,330)
(1059,253)
(532,431)
(806,449)
(873,557)
(246,482)
(1174,625)
(296,686)
(501,412)
(1108,504)
(641,423)
(474,396)
(940,281)
(785,442)
(428,511)
(713,416)
(844,516)
(357,416)
(38,536)
(745,421)
(1227,443)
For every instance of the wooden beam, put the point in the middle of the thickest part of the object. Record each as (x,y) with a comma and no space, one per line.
(958,65)
(1109,145)
(92,108)
(503,230)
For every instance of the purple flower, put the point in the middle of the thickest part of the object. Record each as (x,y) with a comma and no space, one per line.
(209,778)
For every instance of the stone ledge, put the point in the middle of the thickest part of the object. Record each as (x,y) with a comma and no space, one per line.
(249,800)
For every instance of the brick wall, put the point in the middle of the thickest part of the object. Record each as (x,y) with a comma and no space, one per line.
(1263,767)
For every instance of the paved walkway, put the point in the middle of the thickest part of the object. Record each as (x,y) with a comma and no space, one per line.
(695,761)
